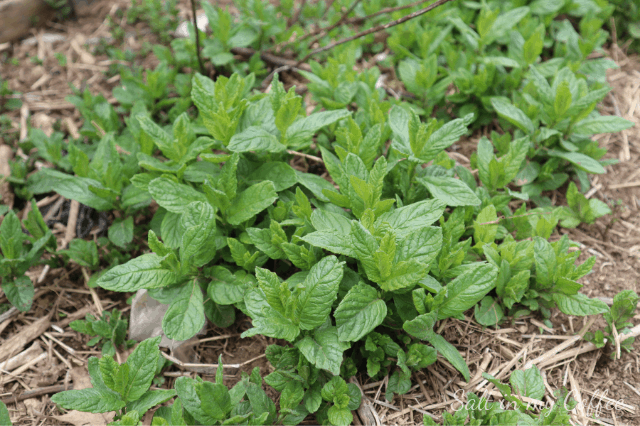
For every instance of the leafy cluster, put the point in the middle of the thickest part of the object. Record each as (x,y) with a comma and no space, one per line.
(20,251)
(111,329)
(354,269)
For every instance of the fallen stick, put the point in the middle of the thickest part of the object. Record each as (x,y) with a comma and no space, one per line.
(22,358)
(542,359)
(31,332)
(70,232)
(37,392)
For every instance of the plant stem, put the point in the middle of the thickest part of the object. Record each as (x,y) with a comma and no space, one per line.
(195,27)
(374,30)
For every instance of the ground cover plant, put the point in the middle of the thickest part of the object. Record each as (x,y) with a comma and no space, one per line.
(352,272)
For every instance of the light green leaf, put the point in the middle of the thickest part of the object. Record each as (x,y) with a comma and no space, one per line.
(20,292)
(528,383)
(281,174)
(251,201)
(144,271)
(581,161)
(488,312)
(150,399)
(579,304)
(185,316)
(142,363)
(88,400)
(320,289)
(359,313)
(513,115)
(173,196)
(467,290)
(405,220)
(451,191)
(332,241)
(121,231)
(323,350)
(602,124)
(301,131)
(257,139)
(421,326)
(450,353)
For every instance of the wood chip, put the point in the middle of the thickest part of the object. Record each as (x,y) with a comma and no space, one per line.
(15,343)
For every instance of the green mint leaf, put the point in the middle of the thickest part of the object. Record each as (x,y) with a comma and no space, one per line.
(581,161)
(485,226)
(563,100)
(281,174)
(602,124)
(142,365)
(544,258)
(579,304)
(4,415)
(319,291)
(443,138)
(488,312)
(332,241)
(171,229)
(185,316)
(422,245)
(421,326)
(261,404)
(450,353)
(528,383)
(150,399)
(316,184)
(198,244)
(467,290)
(323,350)
(121,231)
(359,313)
(173,196)
(257,139)
(20,292)
(299,134)
(451,191)
(339,416)
(405,220)
(251,201)
(162,139)
(221,315)
(11,236)
(217,400)
(77,188)
(88,400)
(513,115)
(186,389)
(226,288)
(145,271)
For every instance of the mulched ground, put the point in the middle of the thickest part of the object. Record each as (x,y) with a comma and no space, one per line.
(57,357)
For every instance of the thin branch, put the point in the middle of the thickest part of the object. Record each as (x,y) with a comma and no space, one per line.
(320,31)
(195,28)
(296,15)
(324,31)
(329,6)
(374,29)
(307,156)
(384,11)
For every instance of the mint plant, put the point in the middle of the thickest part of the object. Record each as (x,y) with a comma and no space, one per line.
(111,329)
(21,251)
(123,388)
(622,310)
